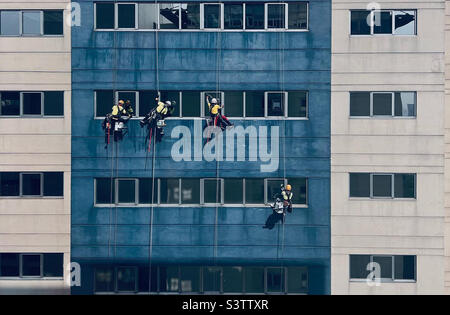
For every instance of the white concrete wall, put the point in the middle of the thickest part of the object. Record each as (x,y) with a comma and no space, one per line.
(447,147)
(36,144)
(397,227)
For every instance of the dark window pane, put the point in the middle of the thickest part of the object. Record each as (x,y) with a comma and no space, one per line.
(54,184)
(385,21)
(405,185)
(148,16)
(297,102)
(126,279)
(211,279)
(104,279)
(169,17)
(191,104)
(233,191)
(105,191)
(234,104)
(212,191)
(53,22)
(358,266)
(9,265)
(32,103)
(53,265)
(254,279)
(9,184)
(128,96)
(31,23)
(105,102)
(190,279)
(382,185)
(145,279)
(211,15)
(31,265)
(405,22)
(297,280)
(359,104)
(298,15)
(385,266)
(168,279)
(359,23)
(10,104)
(382,104)
(147,101)
(190,15)
(254,104)
(359,185)
(275,280)
(190,190)
(232,279)
(105,15)
(169,191)
(127,191)
(275,15)
(145,190)
(405,104)
(254,191)
(54,103)
(31,184)
(126,15)
(273,189)
(233,16)
(299,190)
(275,104)
(10,23)
(254,16)
(405,267)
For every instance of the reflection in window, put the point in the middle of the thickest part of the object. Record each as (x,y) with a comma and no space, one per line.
(299,190)
(298,15)
(169,191)
(358,266)
(276,16)
(190,16)
(190,279)
(385,263)
(211,15)
(190,190)
(31,23)
(148,16)
(405,22)
(169,279)
(233,16)
(404,186)
(275,104)
(10,104)
(385,22)
(104,279)
(297,280)
(275,280)
(404,267)
(169,16)
(10,23)
(405,104)
(126,15)
(254,16)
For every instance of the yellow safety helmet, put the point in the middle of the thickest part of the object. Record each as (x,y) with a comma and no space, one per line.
(288,187)
(121,102)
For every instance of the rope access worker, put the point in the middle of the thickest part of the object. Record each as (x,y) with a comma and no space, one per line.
(215,112)
(114,123)
(155,118)
(286,195)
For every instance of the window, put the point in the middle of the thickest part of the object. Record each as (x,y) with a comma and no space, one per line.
(104,279)
(169,16)
(104,101)
(234,103)
(31,23)
(190,279)
(147,195)
(104,191)
(31,103)
(54,103)
(233,279)
(9,265)
(297,104)
(233,16)
(126,15)
(254,16)
(254,104)
(212,190)
(299,190)
(212,16)
(275,280)
(254,279)
(50,103)
(190,16)
(148,16)
(169,190)
(31,184)
(298,15)
(126,191)
(276,103)
(297,280)
(53,265)
(217,95)
(169,278)
(273,189)
(190,190)
(131,96)
(54,184)
(126,279)
(212,277)
(254,191)
(31,265)
(383,22)
(10,103)
(385,104)
(275,15)
(191,104)
(10,23)
(104,15)
(9,184)
(383,185)
(53,22)
(391,268)
(234,191)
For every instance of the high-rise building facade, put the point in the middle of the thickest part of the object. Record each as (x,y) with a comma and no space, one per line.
(35,111)
(199,229)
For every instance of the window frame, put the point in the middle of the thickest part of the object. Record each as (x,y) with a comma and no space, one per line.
(266,16)
(41,33)
(372,12)
(392,116)
(372,197)
(136,191)
(116,279)
(372,187)
(41,266)
(41,22)
(285,279)
(203,104)
(202,191)
(202,16)
(285,104)
(42,114)
(41,183)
